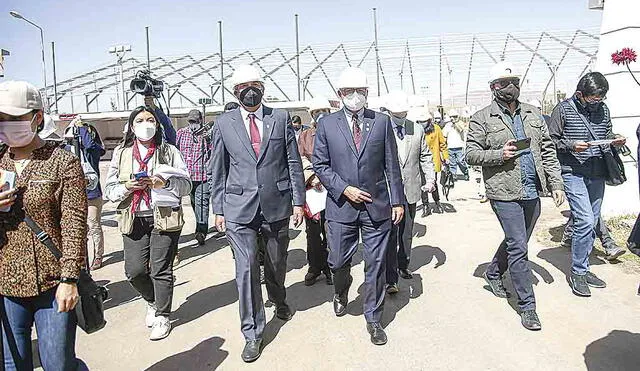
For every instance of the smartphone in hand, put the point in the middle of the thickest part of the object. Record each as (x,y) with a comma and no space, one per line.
(140,175)
(7,182)
(522,144)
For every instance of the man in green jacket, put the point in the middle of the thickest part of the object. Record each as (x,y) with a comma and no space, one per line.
(511,142)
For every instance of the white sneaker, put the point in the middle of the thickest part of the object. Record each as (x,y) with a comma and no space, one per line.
(150,318)
(161,328)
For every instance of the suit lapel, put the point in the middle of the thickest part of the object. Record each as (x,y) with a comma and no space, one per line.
(367,127)
(348,136)
(268,122)
(241,131)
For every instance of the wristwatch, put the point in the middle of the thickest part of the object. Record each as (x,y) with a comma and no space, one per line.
(68,280)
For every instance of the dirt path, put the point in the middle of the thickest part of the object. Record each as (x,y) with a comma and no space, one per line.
(443,319)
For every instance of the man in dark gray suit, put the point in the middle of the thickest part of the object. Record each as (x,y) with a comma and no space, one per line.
(256,185)
(356,159)
(415,158)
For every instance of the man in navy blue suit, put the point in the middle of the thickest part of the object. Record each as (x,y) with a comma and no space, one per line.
(356,159)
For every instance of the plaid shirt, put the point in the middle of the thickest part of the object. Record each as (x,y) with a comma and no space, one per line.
(191,148)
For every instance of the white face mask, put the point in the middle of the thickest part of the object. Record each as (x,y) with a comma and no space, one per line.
(354,101)
(16,134)
(144,131)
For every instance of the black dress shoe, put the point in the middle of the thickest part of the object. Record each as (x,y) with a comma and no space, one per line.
(328,277)
(426,211)
(200,237)
(252,350)
(284,312)
(438,209)
(340,305)
(496,285)
(579,285)
(310,278)
(530,320)
(405,273)
(378,336)
(594,281)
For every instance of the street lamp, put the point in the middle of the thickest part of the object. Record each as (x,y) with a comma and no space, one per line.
(17,15)
(120,51)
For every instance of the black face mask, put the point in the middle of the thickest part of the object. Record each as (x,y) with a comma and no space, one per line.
(297,127)
(508,94)
(428,126)
(251,96)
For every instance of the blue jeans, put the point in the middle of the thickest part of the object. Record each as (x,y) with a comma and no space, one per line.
(200,203)
(517,218)
(56,333)
(585,199)
(456,160)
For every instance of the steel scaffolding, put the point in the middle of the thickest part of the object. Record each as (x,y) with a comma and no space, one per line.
(545,59)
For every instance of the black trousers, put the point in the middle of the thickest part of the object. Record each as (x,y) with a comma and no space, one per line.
(400,241)
(317,251)
(435,193)
(148,263)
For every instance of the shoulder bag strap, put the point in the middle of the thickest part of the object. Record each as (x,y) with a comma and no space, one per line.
(42,236)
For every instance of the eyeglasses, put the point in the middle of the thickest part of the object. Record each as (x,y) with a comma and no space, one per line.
(503,83)
(594,99)
(349,91)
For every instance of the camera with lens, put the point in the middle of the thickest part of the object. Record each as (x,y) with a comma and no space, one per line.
(144,84)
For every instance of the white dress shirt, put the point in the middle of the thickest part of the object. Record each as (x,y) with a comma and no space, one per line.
(245,118)
(454,138)
(349,115)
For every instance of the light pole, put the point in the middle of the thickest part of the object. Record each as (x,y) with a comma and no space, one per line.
(120,51)
(44,65)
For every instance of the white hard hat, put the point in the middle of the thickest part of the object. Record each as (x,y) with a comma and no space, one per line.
(244,74)
(419,114)
(446,119)
(49,128)
(453,112)
(437,115)
(502,70)
(319,103)
(397,102)
(536,103)
(352,77)
(466,112)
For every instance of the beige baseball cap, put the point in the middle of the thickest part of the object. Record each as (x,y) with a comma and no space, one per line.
(18,98)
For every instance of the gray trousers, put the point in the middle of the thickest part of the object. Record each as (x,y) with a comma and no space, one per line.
(148,263)
(399,250)
(243,239)
(343,244)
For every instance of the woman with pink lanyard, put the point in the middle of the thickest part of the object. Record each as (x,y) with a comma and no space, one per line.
(142,167)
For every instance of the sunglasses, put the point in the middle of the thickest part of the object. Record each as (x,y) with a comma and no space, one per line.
(503,83)
(348,91)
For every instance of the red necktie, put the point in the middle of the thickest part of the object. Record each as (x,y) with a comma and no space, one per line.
(357,133)
(254,133)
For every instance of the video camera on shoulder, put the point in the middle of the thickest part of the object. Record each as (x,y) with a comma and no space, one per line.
(144,84)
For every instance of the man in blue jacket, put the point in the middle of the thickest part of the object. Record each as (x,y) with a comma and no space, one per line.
(356,159)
